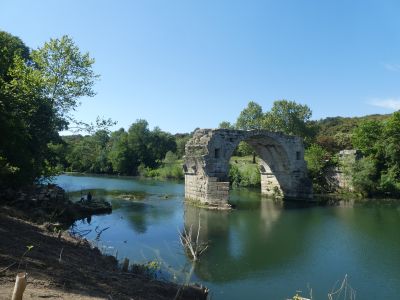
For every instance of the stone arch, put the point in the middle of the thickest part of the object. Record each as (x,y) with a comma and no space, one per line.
(207,154)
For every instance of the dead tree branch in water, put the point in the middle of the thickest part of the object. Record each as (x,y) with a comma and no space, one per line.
(194,247)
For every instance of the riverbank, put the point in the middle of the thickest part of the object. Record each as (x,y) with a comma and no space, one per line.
(62,266)
(50,203)
(59,265)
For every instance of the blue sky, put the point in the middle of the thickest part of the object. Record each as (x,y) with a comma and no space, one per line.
(187,64)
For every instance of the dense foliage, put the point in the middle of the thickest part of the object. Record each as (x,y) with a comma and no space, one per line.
(38,89)
(119,152)
(379,171)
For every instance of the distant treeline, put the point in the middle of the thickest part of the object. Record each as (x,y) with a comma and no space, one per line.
(137,151)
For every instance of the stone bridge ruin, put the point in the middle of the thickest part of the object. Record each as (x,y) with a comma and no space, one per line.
(282,166)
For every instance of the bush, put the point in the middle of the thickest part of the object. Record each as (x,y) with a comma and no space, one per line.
(364,176)
(167,171)
(247,175)
(389,182)
(173,171)
(319,161)
(234,176)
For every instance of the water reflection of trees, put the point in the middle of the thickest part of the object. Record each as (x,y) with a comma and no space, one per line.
(245,241)
(374,225)
(141,214)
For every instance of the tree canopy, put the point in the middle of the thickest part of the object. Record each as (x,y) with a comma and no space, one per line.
(38,90)
(251,117)
(289,117)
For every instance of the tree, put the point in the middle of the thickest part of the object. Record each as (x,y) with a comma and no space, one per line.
(391,139)
(390,149)
(251,117)
(37,92)
(366,136)
(138,138)
(318,163)
(290,118)
(67,75)
(365,176)
(159,144)
(120,156)
(226,125)
(10,46)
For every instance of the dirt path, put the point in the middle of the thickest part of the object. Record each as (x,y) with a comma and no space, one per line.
(82,273)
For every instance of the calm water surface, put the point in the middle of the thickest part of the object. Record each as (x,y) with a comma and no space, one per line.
(261,250)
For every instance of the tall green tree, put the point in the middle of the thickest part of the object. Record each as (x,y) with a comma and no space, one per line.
(121,157)
(37,92)
(290,118)
(367,135)
(159,144)
(138,138)
(379,171)
(251,117)
(67,75)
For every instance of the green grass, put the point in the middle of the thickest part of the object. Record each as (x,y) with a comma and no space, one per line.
(166,171)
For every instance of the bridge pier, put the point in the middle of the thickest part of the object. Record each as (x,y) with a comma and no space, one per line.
(206,190)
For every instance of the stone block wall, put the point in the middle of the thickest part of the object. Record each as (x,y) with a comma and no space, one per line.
(342,174)
(270,186)
(206,190)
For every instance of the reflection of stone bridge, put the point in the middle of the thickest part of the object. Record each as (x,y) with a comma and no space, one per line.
(282,166)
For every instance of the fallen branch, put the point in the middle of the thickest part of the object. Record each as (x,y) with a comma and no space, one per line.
(6,268)
(100,232)
(194,247)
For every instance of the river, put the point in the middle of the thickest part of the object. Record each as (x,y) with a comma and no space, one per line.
(261,250)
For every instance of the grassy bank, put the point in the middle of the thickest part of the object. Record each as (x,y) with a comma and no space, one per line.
(171,170)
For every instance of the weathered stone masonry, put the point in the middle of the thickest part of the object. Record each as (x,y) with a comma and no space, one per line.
(282,166)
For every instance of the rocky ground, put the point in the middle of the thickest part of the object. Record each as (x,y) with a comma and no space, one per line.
(60,266)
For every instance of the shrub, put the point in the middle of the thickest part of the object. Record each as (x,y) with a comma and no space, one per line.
(364,176)
(247,175)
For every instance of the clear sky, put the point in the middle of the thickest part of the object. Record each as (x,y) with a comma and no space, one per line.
(187,64)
